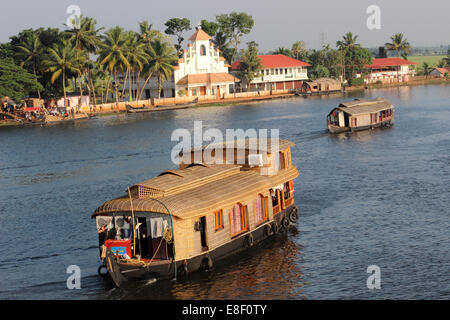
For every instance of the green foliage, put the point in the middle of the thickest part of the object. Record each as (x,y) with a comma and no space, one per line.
(319,71)
(299,51)
(210,27)
(399,44)
(232,27)
(162,57)
(354,55)
(181,93)
(6,51)
(250,64)
(284,51)
(356,81)
(176,27)
(15,81)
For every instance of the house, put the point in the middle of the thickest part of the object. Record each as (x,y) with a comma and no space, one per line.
(279,72)
(389,70)
(201,71)
(440,72)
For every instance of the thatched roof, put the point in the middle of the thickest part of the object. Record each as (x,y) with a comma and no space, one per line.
(199,200)
(357,106)
(205,195)
(330,81)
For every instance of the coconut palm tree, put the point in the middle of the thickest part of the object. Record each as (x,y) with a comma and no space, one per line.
(283,51)
(112,53)
(29,52)
(399,44)
(61,60)
(147,34)
(299,50)
(348,41)
(162,58)
(426,69)
(347,46)
(86,41)
(136,56)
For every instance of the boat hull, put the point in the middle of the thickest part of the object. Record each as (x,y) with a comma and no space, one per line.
(335,129)
(123,273)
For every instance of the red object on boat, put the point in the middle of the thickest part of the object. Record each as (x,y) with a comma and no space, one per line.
(119,247)
(32,109)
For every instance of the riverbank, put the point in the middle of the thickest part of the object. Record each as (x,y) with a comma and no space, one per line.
(103,112)
(416,81)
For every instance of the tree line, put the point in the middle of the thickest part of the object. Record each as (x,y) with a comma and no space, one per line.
(48,63)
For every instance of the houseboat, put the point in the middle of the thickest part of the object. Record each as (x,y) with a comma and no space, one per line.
(360,115)
(320,86)
(188,218)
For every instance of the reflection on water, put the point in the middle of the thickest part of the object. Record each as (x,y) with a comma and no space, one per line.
(370,197)
(270,271)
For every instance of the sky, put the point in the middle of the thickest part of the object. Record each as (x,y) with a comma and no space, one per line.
(278,23)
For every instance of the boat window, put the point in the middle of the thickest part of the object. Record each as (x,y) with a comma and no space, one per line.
(219,219)
(238,219)
(261,209)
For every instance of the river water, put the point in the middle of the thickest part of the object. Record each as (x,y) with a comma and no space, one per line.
(377,197)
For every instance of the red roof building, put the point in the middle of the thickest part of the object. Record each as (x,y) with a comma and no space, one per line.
(279,72)
(440,72)
(388,70)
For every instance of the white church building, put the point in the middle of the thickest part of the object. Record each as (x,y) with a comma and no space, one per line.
(200,72)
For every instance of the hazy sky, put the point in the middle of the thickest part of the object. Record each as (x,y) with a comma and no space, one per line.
(277,22)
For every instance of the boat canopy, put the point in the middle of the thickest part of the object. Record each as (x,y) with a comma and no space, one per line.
(192,191)
(357,107)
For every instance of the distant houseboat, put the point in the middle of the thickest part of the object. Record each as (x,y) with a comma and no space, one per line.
(360,115)
(321,86)
(186,219)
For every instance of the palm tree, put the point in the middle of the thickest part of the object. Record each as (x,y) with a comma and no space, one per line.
(299,50)
(162,57)
(29,52)
(348,42)
(60,60)
(398,44)
(86,41)
(113,52)
(426,69)
(283,51)
(136,56)
(346,46)
(147,35)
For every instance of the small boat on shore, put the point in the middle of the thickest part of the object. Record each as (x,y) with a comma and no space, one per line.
(185,220)
(178,105)
(131,109)
(360,115)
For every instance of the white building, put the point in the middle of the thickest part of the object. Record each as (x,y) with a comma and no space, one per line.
(201,71)
(389,70)
(279,72)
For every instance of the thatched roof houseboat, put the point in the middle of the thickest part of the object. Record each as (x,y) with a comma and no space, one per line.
(186,219)
(360,114)
(321,85)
